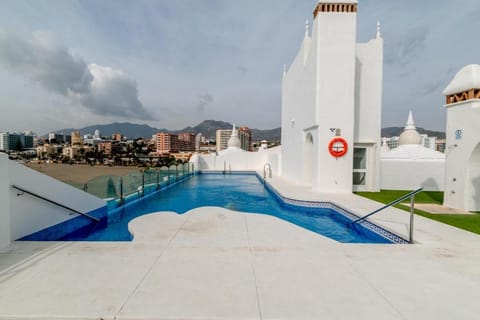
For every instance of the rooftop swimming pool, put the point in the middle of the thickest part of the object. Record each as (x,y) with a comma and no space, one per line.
(239,192)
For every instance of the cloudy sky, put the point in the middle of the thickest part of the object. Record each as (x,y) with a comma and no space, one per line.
(171,64)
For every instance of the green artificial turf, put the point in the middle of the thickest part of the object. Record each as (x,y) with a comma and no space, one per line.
(469,222)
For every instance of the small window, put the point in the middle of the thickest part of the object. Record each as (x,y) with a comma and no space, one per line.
(360,158)
(360,166)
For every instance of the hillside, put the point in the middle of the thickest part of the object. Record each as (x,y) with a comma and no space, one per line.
(207,128)
(396,131)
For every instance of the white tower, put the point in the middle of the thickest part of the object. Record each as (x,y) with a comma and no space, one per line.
(462,162)
(332,90)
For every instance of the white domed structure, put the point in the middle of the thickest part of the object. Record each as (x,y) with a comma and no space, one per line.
(410,135)
(234,144)
(411,165)
(234,141)
(465,79)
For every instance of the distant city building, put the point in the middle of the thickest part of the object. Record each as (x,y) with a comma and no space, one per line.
(187,141)
(26,141)
(263,145)
(117,137)
(245,135)
(198,141)
(222,137)
(76,151)
(76,138)
(167,143)
(182,156)
(428,142)
(206,148)
(92,141)
(171,142)
(105,147)
(15,141)
(46,149)
(59,138)
(392,142)
(440,145)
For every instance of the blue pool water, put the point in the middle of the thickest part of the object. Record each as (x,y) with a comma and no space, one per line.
(236,192)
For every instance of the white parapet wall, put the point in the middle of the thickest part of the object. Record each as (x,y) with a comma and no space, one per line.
(401,174)
(5,236)
(238,161)
(26,214)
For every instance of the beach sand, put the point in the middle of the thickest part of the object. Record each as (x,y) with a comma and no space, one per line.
(79,173)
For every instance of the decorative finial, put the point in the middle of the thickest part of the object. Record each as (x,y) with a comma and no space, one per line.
(410,123)
(379,33)
(306,28)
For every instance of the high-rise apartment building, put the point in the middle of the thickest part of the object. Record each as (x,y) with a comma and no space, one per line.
(171,142)
(167,143)
(77,138)
(59,138)
(15,141)
(222,137)
(245,135)
(187,141)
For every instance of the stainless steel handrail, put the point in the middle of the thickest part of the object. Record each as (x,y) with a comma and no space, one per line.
(54,202)
(410,195)
(265,166)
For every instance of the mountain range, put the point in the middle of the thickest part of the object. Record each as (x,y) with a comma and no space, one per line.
(208,128)
(396,131)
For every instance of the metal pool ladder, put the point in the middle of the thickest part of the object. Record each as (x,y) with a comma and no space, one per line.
(265,167)
(410,195)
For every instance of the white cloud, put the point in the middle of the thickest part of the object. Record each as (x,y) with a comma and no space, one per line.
(41,59)
(112,92)
(103,90)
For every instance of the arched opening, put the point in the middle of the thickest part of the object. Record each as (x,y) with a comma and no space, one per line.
(473,180)
(308,160)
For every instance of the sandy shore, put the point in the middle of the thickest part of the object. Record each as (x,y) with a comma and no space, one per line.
(79,173)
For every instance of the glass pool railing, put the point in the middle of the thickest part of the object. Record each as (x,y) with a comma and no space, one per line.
(118,190)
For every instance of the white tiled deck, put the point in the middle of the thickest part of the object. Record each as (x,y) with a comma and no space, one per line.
(212,263)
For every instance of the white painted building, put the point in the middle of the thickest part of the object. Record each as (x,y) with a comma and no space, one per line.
(411,165)
(234,158)
(462,172)
(333,88)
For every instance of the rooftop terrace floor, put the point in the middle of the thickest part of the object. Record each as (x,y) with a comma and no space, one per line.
(213,263)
